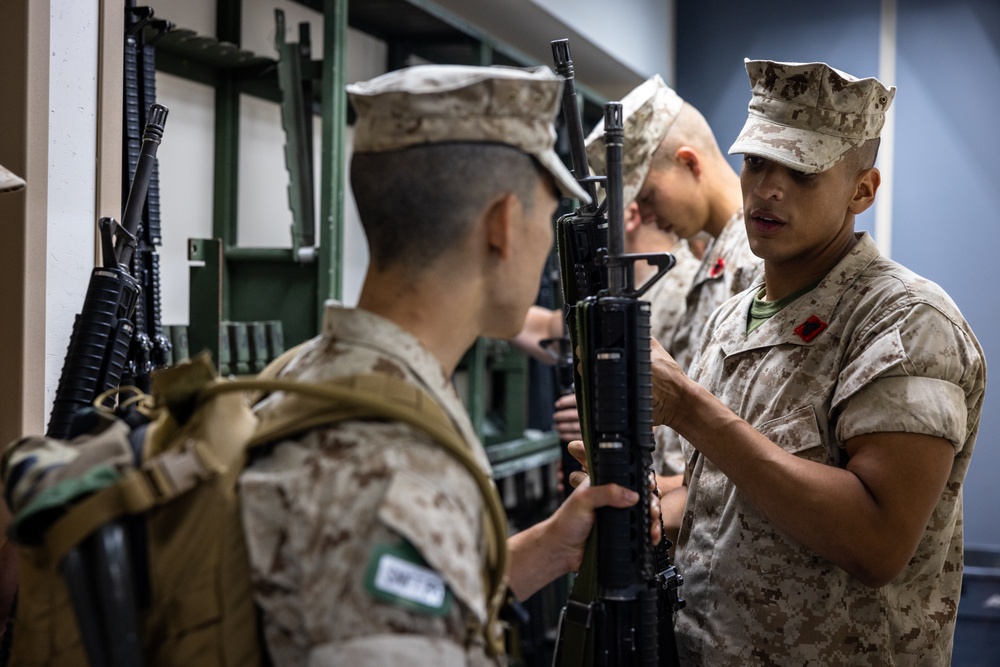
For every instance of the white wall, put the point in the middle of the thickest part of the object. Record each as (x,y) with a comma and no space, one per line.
(615,46)
(639,33)
(72,180)
(187,169)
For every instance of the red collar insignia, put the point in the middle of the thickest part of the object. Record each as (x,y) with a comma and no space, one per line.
(717,268)
(810,328)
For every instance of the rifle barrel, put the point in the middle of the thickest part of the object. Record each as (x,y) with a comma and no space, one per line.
(132,216)
(571,114)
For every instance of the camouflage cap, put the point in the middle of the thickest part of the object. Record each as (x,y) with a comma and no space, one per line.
(806,116)
(648,112)
(427,104)
(9,181)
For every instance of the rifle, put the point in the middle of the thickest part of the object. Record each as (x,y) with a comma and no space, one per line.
(150,349)
(99,573)
(620,608)
(102,333)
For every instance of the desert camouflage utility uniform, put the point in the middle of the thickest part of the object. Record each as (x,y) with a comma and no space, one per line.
(323,513)
(667,295)
(873,348)
(727,269)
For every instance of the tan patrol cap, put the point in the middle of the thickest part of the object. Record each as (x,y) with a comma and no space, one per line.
(427,104)
(9,181)
(648,112)
(806,116)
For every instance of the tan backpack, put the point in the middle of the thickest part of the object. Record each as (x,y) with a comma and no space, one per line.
(198,608)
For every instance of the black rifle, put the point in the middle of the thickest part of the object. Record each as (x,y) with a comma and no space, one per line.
(98,574)
(150,349)
(103,331)
(620,610)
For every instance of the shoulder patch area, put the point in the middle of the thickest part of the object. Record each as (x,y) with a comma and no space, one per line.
(440,514)
(399,575)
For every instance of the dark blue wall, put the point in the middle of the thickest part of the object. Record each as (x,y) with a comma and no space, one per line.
(947,145)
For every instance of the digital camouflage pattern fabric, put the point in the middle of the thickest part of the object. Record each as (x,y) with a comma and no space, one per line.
(728,268)
(648,113)
(326,513)
(428,104)
(667,299)
(668,295)
(806,116)
(873,348)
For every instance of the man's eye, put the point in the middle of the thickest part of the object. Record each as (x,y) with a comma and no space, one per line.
(753,161)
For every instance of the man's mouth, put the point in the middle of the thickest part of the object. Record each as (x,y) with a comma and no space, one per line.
(766,222)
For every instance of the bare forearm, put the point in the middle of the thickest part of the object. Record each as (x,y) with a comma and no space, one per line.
(672,510)
(809,500)
(539,324)
(534,560)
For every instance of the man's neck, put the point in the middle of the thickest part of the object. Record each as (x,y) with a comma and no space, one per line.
(443,319)
(784,278)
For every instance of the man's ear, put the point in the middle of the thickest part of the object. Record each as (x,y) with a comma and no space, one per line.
(632,217)
(688,158)
(499,218)
(864,190)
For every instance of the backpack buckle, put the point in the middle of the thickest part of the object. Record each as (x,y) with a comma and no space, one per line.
(177,471)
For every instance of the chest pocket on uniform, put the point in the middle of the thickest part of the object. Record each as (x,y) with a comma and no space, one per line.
(797,433)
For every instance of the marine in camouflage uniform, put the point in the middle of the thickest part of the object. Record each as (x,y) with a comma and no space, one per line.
(864,392)
(658,124)
(872,348)
(366,539)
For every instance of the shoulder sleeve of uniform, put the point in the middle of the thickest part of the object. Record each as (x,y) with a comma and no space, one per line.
(317,511)
(921,373)
(442,518)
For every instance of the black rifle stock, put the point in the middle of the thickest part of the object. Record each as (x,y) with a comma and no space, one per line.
(620,609)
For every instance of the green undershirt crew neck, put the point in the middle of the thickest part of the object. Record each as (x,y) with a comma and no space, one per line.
(761,311)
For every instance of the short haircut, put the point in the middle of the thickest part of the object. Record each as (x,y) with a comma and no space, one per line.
(689,129)
(865,154)
(417,202)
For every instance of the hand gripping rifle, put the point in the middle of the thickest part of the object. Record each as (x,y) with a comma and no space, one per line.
(620,609)
(98,574)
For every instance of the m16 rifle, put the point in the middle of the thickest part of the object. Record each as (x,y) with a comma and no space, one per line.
(99,573)
(149,349)
(102,334)
(620,609)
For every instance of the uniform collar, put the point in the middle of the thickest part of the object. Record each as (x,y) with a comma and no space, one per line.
(804,321)
(366,329)
(713,264)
